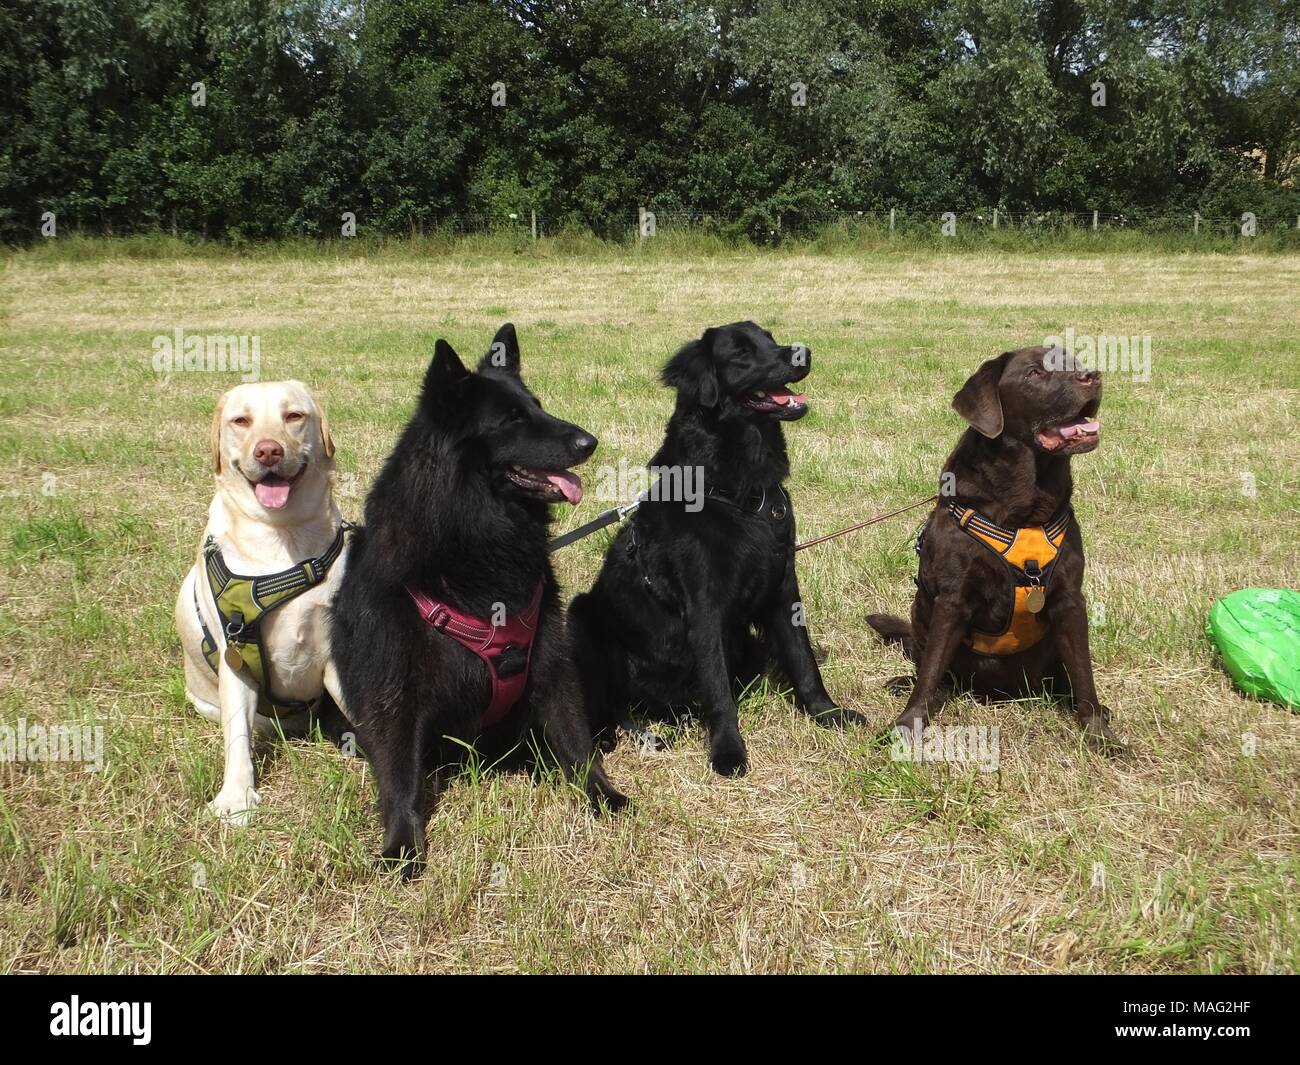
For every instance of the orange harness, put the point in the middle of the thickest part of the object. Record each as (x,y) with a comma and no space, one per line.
(1030,555)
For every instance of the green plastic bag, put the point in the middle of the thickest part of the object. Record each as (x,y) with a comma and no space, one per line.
(1257,630)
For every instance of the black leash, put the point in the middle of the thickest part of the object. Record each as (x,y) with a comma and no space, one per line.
(597,523)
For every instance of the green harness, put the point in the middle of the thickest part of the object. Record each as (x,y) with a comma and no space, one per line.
(242,603)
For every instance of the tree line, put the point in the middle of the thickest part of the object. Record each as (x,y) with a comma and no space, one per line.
(258,119)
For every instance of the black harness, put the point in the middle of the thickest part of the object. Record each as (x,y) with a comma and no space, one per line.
(768,501)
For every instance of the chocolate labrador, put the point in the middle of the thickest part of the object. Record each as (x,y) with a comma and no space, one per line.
(696,594)
(999,602)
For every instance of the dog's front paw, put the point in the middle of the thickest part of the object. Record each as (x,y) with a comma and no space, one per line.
(403,851)
(837,717)
(403,861)
(235,805)
(910,723)
(1098,735)
(607,799)
(727,755)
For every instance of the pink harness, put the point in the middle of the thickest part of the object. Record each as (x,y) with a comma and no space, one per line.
(506,649)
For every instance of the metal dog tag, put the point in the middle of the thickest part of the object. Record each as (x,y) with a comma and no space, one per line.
(1035,600)
(233,658)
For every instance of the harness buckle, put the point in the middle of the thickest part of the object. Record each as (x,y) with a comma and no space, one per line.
(235,627)
(511,661)
(778,511)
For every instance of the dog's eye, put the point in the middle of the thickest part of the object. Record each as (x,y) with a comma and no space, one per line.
(243,421)
(515,417)
(1036,371)
(294,416)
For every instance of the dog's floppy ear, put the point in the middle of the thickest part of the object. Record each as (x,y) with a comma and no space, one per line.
(504,352)
(218,417)
(444,374)
(692,373)
(325,436)
(978,401)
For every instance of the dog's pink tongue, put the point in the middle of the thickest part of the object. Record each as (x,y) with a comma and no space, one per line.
(784,396)
(272,491)
(1075,428)
(568,483)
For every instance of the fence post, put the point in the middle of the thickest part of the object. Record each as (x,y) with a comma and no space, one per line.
(640,224)
(1094,221)
(891,219)
(995,218)
(1297,221)
(1196,223)
(533,215)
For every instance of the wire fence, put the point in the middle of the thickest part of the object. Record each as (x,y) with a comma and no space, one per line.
(768,225)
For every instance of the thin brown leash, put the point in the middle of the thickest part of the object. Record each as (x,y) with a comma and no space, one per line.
(864,524)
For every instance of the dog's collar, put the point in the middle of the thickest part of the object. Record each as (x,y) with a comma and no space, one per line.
(769,500)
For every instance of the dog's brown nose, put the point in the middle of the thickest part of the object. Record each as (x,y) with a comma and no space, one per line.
(268,452)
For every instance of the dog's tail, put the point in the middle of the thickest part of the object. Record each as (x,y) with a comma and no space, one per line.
(893,629)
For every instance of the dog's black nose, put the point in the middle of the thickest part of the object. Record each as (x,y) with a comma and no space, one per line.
(583,444)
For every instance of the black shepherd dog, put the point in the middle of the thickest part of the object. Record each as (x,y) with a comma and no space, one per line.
(696,597)
(448,625)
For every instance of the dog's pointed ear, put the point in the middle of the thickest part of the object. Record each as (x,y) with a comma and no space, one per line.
(444,374)
(692,372)
(218,417)
(504,352)
(978,401)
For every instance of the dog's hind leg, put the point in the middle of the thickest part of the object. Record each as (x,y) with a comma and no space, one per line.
(330,718)
(397,752)
(594,655)
(894,629)
(749,662)
(786,628)
(562,719)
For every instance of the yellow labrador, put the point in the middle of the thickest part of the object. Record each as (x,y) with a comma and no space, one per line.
(252,612)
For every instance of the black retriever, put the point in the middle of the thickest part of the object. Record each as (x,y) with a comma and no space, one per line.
(696,596)
(999,602)
(448,625)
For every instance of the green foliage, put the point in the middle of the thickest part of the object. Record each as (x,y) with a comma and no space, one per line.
(385,109)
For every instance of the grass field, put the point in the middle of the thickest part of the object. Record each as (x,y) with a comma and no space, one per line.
(829,856)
